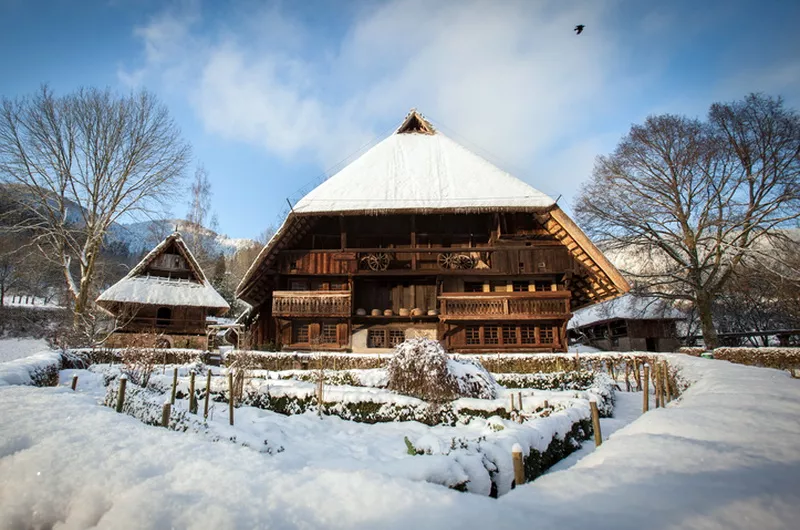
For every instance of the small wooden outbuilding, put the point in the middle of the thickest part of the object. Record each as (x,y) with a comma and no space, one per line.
(166,294)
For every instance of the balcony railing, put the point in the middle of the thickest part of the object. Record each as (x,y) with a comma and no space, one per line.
(164,325)
(311,303)
(505,306)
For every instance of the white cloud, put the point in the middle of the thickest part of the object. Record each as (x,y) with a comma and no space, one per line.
(511,78)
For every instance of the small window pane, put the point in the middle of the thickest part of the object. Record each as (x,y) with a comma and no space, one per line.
(491,335)
(396,336)
(473,335)
(528,334)
(509,334)
(299,333)
(328,335)
(546,335)
(376,338)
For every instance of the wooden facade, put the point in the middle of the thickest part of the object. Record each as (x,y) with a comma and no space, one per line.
(501,274)
(479,282)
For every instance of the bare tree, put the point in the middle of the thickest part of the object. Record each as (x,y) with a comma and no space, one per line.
(83,161)
(689,200)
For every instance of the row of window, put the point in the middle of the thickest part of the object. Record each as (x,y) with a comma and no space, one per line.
(318,285)
(385,338)
(509,334)
(502,287)
(301,333)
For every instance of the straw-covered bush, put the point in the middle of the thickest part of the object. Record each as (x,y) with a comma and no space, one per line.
(421,368)
(780,358)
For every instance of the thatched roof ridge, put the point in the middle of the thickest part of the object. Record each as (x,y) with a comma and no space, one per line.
(138,287)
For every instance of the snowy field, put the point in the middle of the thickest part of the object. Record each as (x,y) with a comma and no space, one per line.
(725,455)
(11,349)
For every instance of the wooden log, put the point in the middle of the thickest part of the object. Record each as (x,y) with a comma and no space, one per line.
(74,382)
(230,397)
(174,385)
(208,395)
(519,466)
(165,411)
(192,396)
(598,436)
(646,390)
(123,381)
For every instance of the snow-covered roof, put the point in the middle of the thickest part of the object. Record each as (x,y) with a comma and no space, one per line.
(628,307)
(138,287)
(420,169)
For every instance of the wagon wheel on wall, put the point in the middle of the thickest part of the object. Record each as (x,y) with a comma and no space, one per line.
(445,260)
(376,262)
(464,261)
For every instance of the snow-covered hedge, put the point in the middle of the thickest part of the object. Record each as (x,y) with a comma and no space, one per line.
(40,369)
(163,355)
(579,380)
(780,358)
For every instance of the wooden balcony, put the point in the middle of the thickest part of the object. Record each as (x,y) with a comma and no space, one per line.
(164,325)
(524,305)
(311,303)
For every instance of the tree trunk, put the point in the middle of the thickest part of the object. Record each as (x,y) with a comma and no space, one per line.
(706,321)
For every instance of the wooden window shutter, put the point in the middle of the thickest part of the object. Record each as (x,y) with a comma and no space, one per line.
(313,333)
(342,334)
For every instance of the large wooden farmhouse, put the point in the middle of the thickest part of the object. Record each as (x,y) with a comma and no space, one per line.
(166,295)
(421,237)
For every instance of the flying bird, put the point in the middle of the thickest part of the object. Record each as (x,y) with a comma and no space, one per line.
(579,29)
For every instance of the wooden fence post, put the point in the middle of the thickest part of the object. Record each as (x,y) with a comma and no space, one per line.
(230,397)
(123,380)
(638,374)
(165,411)
(656,373)
(519,467)
(519,398)
(74,381)
(646,390)
(174,385)
(627,377)
(192,396)
(546,405)
(667,387)
(598,436)
(208,393)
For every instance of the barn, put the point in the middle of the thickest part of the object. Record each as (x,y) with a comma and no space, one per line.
(421,237)
(165,295)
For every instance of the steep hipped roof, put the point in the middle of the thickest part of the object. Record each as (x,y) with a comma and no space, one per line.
(138,287)
(418,169)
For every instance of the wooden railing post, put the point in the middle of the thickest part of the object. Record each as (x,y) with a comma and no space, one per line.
(519,465)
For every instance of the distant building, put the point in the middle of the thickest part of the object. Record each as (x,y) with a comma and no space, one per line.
(627,323)
(166,294)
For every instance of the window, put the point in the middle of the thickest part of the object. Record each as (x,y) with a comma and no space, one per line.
(519,287)
(509,334)
(376,338)
(385,337)
(396,336)
(543,285)
(298,285)
(473,287)
(473,334)
(328,333)
(300,333)
(546,335)
(163,316)
(528,334)
(491,335)
(337,285)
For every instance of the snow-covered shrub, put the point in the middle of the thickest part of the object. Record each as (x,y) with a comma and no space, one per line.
(473,379)
(138,364)
(420,368)
(574,380)
(40,369)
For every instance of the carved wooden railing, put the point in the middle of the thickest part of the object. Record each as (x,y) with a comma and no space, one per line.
(311,303)
(517,305)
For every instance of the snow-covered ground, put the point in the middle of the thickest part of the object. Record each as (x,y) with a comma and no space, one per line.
(725,455)
(11,349)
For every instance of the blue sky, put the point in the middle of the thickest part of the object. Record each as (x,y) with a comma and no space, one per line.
(274,95)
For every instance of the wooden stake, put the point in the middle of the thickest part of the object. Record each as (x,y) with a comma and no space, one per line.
(208,393)
(174,385)
(123,380)
(598,436)
(165,411)
(74,382)
(638,375)
(546,404)
(192,396)
(512,402)
(656,373)
(519,466)
(667,387)
(646,389)
(230,397)
(519,398)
